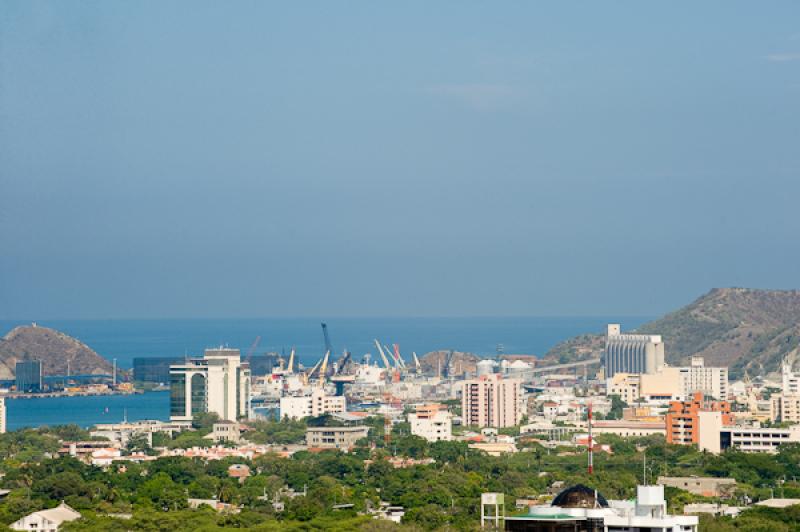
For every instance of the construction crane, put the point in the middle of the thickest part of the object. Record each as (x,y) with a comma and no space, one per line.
(252,349)
(383,355)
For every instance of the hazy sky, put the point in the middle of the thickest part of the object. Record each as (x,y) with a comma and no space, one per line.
(407,158)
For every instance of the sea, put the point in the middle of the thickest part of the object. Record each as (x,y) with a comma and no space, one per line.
(126,339)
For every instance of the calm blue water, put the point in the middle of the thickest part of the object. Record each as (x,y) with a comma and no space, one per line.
(126,339)
(85,411)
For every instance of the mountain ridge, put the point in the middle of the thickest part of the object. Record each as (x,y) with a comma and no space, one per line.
(747,329)
(57,351)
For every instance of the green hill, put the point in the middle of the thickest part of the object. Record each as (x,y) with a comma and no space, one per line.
(745,329)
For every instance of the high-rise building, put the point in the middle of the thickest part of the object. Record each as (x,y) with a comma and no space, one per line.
(491,401)
(219,383)
(712,382)
(632,353)
(683,418)
(28,376)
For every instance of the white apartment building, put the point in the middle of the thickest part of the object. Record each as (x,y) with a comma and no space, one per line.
(316,404)
(627,429)
(715,437)
(122,432)
(790,379)
(2,412)
(432,422)
(491,401)
(711,381)
(219,382)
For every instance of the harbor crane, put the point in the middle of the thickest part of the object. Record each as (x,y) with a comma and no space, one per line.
(400,361)
(447,362)
(342,362)
(417,365)
(383,355)
(290,367)
(252,349)
(328,346)
(323,369)
(309,374)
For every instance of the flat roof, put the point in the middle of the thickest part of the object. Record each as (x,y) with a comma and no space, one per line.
(547,517)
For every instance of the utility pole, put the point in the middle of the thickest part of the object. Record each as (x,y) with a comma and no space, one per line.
(644,467)
(591,445)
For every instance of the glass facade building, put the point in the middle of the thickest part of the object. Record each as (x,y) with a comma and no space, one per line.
(153,369)
(28,374)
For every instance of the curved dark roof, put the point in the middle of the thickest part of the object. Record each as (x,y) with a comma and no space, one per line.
(580,496)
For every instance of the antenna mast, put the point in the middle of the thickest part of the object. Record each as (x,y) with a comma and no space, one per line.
(591,444)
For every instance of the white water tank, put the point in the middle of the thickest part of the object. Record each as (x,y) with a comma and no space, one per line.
(486,367)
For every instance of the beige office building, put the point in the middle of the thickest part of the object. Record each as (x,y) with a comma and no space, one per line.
(713,382)
(491,401)
(334,437)
(219,382)
(663,385)
(785,408)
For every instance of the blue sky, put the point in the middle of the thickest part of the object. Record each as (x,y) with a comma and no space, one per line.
(220,159)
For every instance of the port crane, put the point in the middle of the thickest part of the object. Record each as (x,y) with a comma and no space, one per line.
(383,355)
(324,369)
(447,361)
(391,354)
(290,366)
(417,365)
(252,349)
(328,346)
(342,362)
(401,363)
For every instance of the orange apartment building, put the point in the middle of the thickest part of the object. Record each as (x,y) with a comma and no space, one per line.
(682,420)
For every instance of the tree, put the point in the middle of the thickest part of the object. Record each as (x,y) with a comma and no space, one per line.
(204,420)
(429,517)
(138,443)
(163,493)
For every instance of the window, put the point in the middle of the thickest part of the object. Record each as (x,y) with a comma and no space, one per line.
(198,393)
